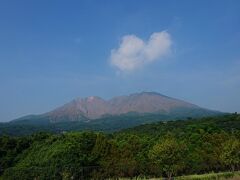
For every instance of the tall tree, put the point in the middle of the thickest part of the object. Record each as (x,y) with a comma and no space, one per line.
(168,155)
(230,155)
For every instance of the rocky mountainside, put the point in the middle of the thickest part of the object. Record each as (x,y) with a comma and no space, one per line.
(90,108)
(95,113)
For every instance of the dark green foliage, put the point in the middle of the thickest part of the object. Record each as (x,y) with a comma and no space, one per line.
(230,155)
(171,148)
(168,155)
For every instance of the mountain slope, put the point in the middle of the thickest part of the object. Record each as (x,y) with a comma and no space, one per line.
(146,102)
(92,108)
(95,113)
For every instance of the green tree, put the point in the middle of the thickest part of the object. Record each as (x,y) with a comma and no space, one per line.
(168,155)
(101,148)
(230,155)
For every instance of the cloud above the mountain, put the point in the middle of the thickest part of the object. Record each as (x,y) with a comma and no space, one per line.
(133,52)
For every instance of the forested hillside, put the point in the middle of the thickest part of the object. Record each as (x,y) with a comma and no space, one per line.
(32,124)
(166,149)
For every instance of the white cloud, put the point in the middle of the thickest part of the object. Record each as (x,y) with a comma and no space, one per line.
(134,53)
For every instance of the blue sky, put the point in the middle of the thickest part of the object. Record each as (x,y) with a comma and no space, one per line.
(52,51)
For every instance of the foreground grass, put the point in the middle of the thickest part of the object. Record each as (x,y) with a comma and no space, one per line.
(213,176)
(209,176)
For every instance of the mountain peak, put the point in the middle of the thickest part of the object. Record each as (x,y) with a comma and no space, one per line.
(94,107)
(149,93)
(94,98)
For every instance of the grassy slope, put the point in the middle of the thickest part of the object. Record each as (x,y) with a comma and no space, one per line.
(209,176)
(212,176)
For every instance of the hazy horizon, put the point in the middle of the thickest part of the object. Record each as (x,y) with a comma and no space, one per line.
(54,51)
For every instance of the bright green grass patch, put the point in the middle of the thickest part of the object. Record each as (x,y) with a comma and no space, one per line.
(212,176)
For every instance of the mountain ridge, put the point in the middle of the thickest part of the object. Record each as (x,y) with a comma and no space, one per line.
(94,107)
(97,114)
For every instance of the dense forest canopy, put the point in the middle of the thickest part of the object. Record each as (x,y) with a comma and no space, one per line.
(170,148)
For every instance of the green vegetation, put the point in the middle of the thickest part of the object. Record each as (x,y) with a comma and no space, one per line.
(33,124)
(163,149)
(212,176)
(168,155)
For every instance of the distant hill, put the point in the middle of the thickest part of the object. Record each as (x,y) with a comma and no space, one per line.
(95,113)
(228,123)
